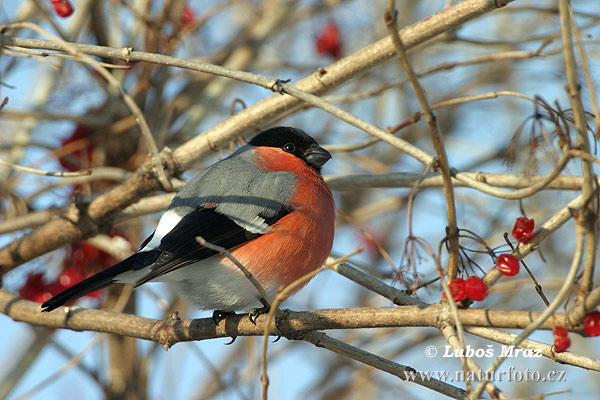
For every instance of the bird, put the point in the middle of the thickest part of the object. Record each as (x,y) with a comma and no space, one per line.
(266,204)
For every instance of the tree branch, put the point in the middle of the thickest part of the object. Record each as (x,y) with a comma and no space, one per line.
(171,332)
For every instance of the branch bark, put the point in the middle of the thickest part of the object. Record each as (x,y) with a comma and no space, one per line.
(287,323)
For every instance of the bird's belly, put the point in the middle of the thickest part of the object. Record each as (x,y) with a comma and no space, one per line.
(214,284)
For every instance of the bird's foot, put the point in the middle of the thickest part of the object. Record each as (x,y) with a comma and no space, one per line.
(255,312)
(219,315)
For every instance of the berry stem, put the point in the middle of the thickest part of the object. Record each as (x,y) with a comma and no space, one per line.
(538,287)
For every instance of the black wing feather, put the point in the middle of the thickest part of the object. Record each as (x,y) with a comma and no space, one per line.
(100,280)
(177,249)
(180,248)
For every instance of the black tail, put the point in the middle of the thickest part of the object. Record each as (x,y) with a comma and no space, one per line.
(95,282)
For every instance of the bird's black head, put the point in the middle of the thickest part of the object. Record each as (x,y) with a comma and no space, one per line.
(294,141)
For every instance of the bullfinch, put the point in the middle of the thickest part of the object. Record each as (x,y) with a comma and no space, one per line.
(266,203)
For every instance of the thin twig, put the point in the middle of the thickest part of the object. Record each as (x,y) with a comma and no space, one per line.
(401,298)
(65,56)
(586,72)
(35,171)
(247,273)
(131,104)
(73,362)
(371,129)
(588,218)
(436,137)
(445,326)
(560,297)
(383,252)
(544,231)
(517,193)
(538,287)
(320,339)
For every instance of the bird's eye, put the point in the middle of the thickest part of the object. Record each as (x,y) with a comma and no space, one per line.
(289,147)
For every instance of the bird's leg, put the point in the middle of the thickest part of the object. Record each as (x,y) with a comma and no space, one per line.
(219,315)
(264,302)
(255,312)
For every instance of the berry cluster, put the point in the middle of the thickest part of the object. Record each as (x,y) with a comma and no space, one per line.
(508,265)
(77,150)
(36,289)
(561,339)
(82,261)
(591,326)
(473,288)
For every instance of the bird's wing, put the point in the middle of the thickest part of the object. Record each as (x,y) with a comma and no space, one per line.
(228,223)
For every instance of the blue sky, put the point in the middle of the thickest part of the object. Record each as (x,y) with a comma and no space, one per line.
(478,130)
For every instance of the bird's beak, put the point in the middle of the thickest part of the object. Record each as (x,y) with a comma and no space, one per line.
(316,157)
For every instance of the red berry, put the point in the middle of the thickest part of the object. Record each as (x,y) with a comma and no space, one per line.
(62,7)
(187,17)
(507,264)
(457,288)
(560,331)
(41,296)
(32,287)
(87,258)
(591,324)
(68,277)
(561,339)
(82,157)
(329,41)
(561,344)
(36,289)
(475,288)
(523,229)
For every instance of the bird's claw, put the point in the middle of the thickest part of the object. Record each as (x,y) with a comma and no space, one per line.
(278,87)
(232,340)
(255,312)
